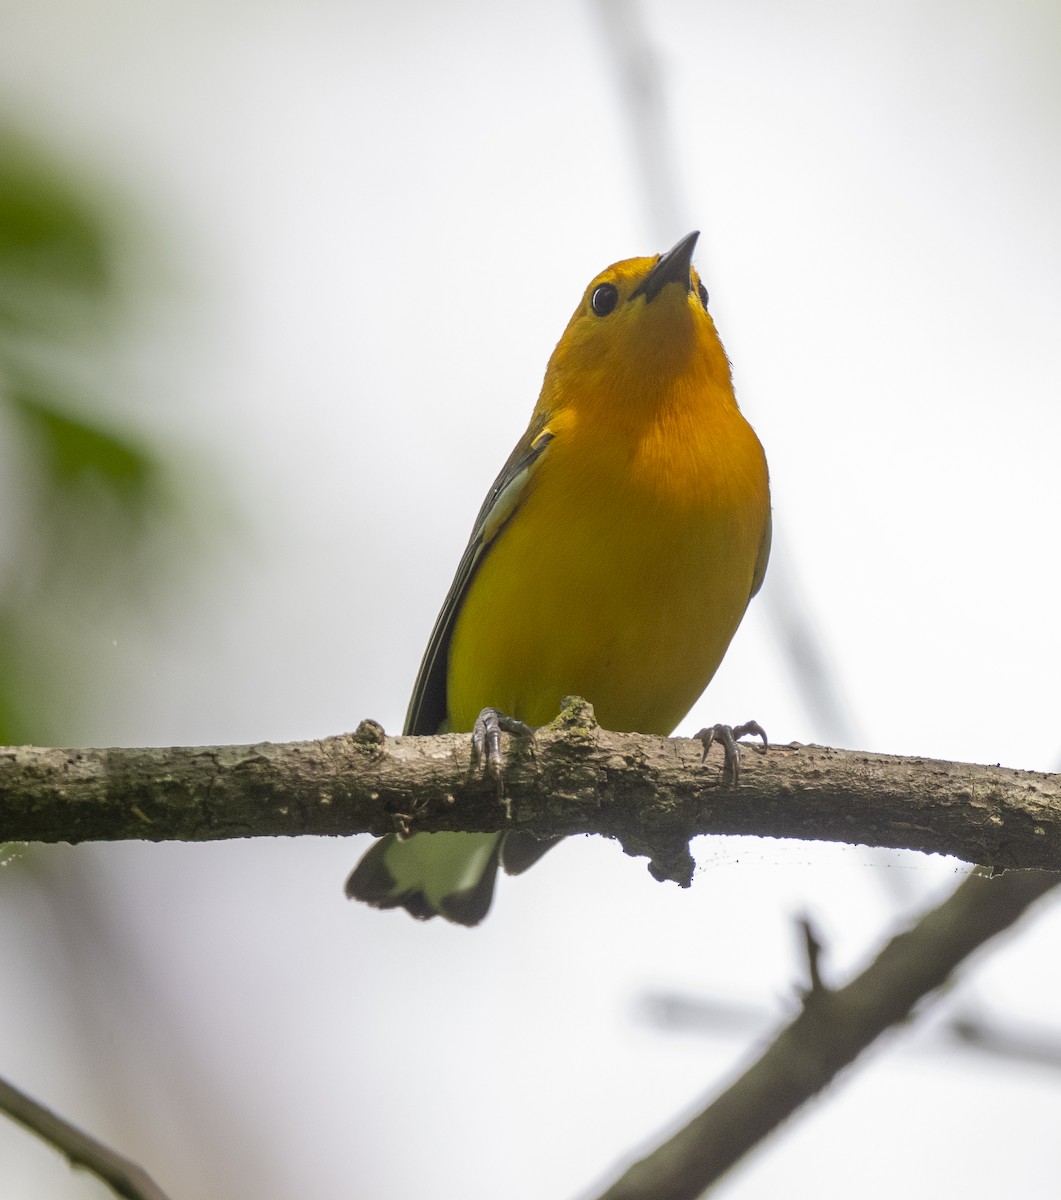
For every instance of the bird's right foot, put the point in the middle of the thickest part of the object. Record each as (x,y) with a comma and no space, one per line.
(486,740)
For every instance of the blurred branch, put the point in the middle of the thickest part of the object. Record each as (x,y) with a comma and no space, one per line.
(813,668)
(651,793)
(123,1177)
(832,1029)
(987,1035)
(977,1032)
(640,80)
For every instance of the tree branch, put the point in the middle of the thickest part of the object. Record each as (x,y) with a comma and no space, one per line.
(651,793)
(832,1029)
(123,1177)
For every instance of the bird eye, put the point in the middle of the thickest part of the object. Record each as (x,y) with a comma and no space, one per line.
(604,299)
(703,294)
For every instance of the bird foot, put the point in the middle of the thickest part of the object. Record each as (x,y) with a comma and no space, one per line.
(486,741)
(729,736)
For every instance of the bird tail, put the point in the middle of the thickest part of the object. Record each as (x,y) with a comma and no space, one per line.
(430,874)
(441,874)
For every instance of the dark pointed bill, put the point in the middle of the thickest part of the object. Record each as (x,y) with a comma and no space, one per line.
(673,267)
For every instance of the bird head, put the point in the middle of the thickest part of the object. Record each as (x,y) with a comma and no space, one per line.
(642,325)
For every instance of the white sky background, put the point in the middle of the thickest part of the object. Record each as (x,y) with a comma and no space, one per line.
(379,219)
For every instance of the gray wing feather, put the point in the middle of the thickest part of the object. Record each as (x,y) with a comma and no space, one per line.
(427,708)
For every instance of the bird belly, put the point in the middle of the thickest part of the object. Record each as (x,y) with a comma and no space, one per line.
(613,590)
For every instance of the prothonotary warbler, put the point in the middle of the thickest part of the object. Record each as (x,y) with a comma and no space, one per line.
(613,558)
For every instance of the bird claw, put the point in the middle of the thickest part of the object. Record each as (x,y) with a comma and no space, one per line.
(729,736)
(486,740)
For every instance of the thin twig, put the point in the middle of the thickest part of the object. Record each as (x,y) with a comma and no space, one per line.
(813,948)
(123,1177)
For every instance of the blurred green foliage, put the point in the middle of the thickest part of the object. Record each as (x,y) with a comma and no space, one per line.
(71,451)
(81,497)
(53,249)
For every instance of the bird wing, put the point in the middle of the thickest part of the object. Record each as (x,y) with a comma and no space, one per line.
(427,708)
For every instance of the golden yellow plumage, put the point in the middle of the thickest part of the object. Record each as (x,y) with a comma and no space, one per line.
(613,559)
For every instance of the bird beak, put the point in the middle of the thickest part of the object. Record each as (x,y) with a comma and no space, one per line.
(672,267)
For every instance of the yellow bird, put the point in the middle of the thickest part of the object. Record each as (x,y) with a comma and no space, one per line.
(613,558)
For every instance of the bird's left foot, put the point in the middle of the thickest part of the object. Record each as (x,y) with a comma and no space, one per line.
(729,736)
(486,740)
